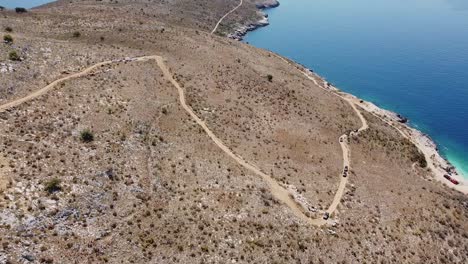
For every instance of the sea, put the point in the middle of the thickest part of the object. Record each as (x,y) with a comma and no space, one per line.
(407,56)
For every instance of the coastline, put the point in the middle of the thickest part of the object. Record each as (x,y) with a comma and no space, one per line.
(438,165)
(242,30)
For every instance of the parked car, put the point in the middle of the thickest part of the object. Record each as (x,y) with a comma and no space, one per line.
(345,174)
(452,180)
(326,216)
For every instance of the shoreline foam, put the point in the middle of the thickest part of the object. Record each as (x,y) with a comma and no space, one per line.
(439,165)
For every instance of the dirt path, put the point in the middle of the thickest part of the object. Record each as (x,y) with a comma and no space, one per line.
(227,14)
(278,191)
(343,143)
(50,86)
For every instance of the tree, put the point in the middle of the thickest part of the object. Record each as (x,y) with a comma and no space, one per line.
(2,8)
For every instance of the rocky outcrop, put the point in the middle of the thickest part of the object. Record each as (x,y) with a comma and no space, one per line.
(267,4)
(241,31)
(402,119)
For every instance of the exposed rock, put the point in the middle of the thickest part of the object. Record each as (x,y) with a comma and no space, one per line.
(402,119)
(241,31)
(267,4)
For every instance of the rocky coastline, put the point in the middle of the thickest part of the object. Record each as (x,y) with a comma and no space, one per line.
(440,166)
(240,32)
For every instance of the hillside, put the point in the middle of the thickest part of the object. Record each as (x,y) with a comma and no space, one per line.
(129,133)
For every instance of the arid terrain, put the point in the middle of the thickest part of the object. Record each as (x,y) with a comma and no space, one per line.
(131,134)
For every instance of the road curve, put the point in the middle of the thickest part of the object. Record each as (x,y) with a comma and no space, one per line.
(343,142)
(227,14)
(278,191)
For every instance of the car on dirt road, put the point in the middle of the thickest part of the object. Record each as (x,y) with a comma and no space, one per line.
(326,216)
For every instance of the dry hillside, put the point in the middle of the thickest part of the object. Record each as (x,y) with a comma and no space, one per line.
(110,167)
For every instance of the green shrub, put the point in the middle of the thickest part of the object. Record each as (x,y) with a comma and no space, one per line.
(86,136)
(53,186)
(14,56)
(76,34)
(270,77)
(8,39)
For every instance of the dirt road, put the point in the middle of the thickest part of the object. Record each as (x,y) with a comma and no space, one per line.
(278,191)
(227,14)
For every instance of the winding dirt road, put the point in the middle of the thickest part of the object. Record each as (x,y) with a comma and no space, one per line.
(279,191)
(227,14)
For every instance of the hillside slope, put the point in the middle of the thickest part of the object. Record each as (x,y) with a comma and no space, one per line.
(109,166)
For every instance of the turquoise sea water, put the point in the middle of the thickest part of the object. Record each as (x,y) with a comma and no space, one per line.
(408,56)
(23,3)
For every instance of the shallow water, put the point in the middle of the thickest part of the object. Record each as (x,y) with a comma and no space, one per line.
(23,3)
(409,56)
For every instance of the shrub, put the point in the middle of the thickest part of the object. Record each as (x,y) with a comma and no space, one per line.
(14,56)
(21,10)
(86,136)
(53,186)
(8,39)
(76,34)
(270,77)
(8,29)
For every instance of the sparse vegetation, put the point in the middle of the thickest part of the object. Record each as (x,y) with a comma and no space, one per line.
(151,179)
(418,156)
(53,186)
(8,29)
(8,39)
(86,136)
(270,77)
(76,34)
(13,55)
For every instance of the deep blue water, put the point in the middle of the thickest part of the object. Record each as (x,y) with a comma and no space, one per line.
(23,3)
(408,56)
